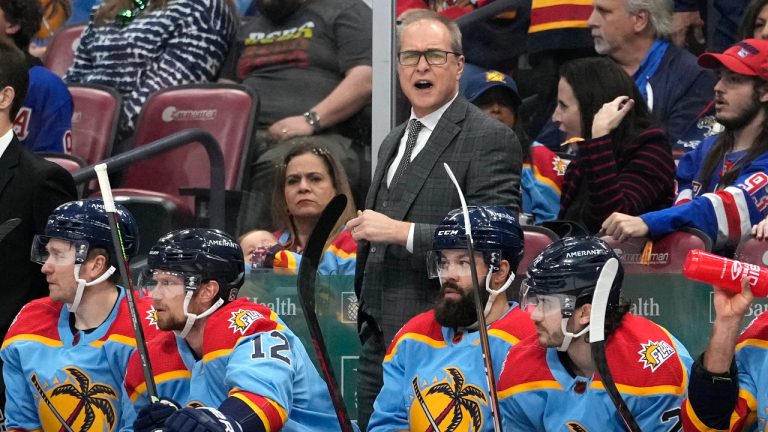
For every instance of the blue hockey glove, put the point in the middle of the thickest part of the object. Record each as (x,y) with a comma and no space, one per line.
(203,419)
(153,416)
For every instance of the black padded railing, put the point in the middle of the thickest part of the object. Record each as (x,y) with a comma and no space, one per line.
(216,208)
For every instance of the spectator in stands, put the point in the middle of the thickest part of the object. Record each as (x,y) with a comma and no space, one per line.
(723,183)
(308,178)
(753,23)
(623,162)
(722,21)
(139,47)
(314,79)
(56,13)
(43,124)
(635,34)
(542,177)
(255,245)
(760,231)
(448,8)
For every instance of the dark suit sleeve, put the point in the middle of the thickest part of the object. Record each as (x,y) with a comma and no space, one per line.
(55,187)
(493,177)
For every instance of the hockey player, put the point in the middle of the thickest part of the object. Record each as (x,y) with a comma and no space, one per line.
(728,381)
(232,363)
(549,381)
(65,355)
(434,375)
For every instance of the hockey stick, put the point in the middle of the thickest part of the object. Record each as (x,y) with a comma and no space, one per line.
(310,260)
(597,341)
(8,226)
(122,261)
(424,407)
(48,402)
(482,330)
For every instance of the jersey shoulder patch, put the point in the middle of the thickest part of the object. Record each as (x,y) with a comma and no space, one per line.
(525,368)
(641,355)
(38,318)
(422,327)
(236,320)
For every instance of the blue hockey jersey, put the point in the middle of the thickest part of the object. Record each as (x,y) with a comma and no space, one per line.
(725,215)
(80,374)
(44,122)
(650,368)
(434,374)
(249,354)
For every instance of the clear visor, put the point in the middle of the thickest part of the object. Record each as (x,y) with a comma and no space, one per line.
(454,262)
(164,283)
(58,251)
(546,304)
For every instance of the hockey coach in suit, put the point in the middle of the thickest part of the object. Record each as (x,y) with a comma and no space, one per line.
(411,192)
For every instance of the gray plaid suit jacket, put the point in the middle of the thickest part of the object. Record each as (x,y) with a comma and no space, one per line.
(485,156)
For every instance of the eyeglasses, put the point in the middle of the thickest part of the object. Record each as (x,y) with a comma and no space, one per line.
(433,57)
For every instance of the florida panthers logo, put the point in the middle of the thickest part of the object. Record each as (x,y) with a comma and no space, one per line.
(448,405)
(242,319)
(152,317)
(653,354)
(84,407)
(559,165)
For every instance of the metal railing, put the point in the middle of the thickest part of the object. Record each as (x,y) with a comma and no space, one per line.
(216,207)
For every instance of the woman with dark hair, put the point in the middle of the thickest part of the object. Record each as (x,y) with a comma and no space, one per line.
(141,46)
(306,181)
(623,161)
(753,22)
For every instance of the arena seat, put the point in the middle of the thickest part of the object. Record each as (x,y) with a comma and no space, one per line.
(94,120)
(667,254)
(536,239)
(61,52)
(226,111)
(70,163)
(753,251)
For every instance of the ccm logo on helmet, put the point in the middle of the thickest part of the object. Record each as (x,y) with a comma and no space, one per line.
(583,253)
(447,232)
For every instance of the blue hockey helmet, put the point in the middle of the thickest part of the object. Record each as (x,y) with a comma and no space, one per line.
(209,254)
(85,223)
(571,266)
(494,230)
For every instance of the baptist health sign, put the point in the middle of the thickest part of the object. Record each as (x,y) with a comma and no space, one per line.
(336,309)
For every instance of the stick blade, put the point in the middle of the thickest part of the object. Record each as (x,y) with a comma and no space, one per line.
(313,253)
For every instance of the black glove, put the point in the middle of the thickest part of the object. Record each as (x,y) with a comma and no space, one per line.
(152,417)
(203,419)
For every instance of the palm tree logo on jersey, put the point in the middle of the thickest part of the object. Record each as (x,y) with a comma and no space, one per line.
(98,396)
(461,398)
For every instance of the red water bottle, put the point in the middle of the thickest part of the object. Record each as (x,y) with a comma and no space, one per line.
(725,273)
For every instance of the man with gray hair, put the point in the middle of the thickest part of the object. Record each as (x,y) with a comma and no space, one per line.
(635,34)
(410,191)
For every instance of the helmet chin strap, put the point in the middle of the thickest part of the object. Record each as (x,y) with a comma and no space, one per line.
(568,336)
(191,318)
(495,293)
(81,284)
(492,294)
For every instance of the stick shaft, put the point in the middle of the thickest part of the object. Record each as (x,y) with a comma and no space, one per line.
(482,330)
(123,267)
